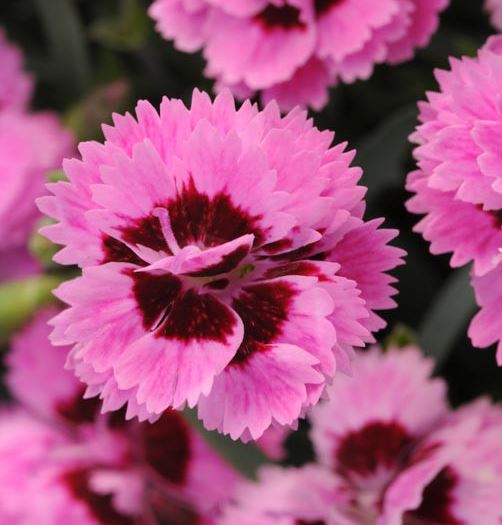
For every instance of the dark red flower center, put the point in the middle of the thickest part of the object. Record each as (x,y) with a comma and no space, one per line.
(307,268)
(169,510)
(117,251)
(375,446)
(323,6)
(167,446)
(496,216)
(195,219)
(280,17)
(79,410)
(437,500)
(174,313)
(263,308)
(99,506)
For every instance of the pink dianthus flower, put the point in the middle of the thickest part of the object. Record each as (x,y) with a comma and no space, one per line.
(395,405)
(455,475)
(458,184)
(293,50)
(226,263)
(76,466)
(399,457)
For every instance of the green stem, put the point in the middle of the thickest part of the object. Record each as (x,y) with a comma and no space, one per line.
(246,458)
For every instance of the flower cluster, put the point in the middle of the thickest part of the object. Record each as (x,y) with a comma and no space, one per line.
(226,263)
(293,50)
(76,466)
(220,259)
(399,455)
(458,184)
(31,144)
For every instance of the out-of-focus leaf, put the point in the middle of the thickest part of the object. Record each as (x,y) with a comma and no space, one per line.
(383,152)
(125,31)
(400,337)
(246,458)
(40,247)
(69,60)
(86,117)
(453,306)
(19,299)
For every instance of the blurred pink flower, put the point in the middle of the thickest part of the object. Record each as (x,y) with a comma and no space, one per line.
(458,184)
(272,442)
(76,466)
(294,50)
(395,405)
(226,263)
(400,456)
(287,496)
(16,85)
(455,475)
(494,9)
(31,144)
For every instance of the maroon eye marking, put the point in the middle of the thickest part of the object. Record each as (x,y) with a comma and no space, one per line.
(167,446)
(176,314)
(147,232)
(495,214)
(170,510)
(296,268)
(322,6)
(437,500)
(116,251)
(155,295)
(219,284)
(79,410)
(196,218)
(277,246)
(198,317)
(376,445)
(99,506)
(284,17)
(229,262)
(263,309)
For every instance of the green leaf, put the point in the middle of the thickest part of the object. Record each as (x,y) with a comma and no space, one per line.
(69,59)
(246,458)
(126,30)
(383,152)
(447,317)
(40,247)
